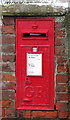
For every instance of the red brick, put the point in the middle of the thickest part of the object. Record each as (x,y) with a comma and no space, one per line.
(10,112)
(61,106)
(8,85)
(59,33)
(62,97)
(6,103)
(44,114)
(8,29)
(61,78)
(3,112)
(58,25)
(8,48)
(60,87)
(61,68)
(59,50)
(63,114)
(61,59)
(58,41)
(8,94)
(26,113)
(10,67)
(8,39)
(10,58)
(21,111)
(14,104)
(8,77)
(8,20)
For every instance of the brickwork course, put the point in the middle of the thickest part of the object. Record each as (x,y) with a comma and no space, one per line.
(8,54)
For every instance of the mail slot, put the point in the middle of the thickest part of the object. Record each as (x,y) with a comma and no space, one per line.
(35,64)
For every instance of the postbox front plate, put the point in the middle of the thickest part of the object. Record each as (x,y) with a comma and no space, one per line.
(35,64)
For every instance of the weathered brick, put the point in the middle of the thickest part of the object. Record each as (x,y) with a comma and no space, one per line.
(61,87)
(10,67)
(25,113)
(61,68)
(10,58)
(63,114)
(61,78)
(62,106)
(59,25)
(58,41)
(8,49)
(8,39)
(3,112)
(14,104)
(59,50)
(8,94)
(8,29)
(60,33)
(10,112)
(62,96)
(8,20)
(6,103)
(8,85)
(61,59)
(8,77)
(44,114)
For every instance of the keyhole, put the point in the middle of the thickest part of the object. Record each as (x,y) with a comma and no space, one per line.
(27,79)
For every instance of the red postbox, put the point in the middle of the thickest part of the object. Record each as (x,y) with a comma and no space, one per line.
(35,63)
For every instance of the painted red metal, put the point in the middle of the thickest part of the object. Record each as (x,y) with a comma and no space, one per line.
(35,89)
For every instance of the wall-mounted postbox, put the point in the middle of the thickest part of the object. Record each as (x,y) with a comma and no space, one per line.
(35,64)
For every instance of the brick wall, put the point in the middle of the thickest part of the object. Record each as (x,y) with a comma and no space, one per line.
(8,68)
(8,54)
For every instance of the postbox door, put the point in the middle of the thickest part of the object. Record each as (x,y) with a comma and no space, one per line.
(35,76)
